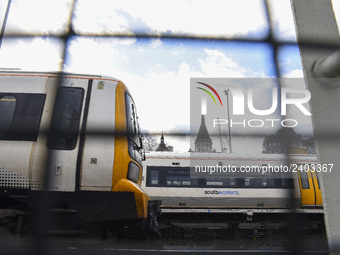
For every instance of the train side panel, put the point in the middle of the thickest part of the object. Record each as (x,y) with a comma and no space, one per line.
(99,144)
(167,177)
(225,198)
(25,162)
(22,101)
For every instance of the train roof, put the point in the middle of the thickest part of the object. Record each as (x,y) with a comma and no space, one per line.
(216,155)
(18,72)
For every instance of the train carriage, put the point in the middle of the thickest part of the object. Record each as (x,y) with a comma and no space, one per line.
(167,177)
(71,142)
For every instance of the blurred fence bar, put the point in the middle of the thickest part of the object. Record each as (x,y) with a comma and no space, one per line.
(315,21)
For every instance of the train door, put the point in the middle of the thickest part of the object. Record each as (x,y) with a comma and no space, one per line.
(309,188)
(64,134)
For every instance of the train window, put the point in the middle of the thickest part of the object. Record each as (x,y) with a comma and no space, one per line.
(178,172)
(214,182)
(154,175)
(317,179)
(287,183)
(176,183)
(304,180)
(247,182)
(20,116)
(220,182)
(132,120)
(7,108)
(177,180)
(135,143)
(66,118)
(163,176)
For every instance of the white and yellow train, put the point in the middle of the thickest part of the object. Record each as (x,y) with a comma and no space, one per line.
(266,182)
(75,139)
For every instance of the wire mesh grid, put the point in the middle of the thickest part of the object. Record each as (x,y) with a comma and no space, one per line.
(272,42)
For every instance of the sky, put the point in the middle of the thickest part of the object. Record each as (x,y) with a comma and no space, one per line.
(156,71)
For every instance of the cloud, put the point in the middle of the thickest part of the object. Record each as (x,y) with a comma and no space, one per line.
(283,20)
(35,54)
(217,64)
(297,73)
(162,98)
(155,43)
(38,16)
(157,73)
(98,55)
(215,17)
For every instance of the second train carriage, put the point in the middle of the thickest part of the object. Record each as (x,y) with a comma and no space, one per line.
(167,177)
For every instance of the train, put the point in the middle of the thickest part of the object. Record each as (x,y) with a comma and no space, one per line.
(70,153)
(246,183)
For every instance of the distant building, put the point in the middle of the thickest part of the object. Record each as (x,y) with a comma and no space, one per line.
(203,142)
(287,141)
(163,147)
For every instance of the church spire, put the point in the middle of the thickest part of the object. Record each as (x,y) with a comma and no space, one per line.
(162,138)
(203,142)
(162,146)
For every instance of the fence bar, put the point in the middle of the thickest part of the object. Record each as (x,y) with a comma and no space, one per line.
(315,21)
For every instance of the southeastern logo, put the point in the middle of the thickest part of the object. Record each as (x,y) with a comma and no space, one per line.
(221,192)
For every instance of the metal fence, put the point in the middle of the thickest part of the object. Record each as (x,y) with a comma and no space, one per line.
(70,31)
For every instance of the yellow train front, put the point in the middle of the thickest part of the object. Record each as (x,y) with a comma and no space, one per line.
(70,152)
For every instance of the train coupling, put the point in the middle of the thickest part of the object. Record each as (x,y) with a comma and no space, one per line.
(154,210)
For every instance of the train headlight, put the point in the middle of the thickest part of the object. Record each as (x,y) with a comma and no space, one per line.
(133,173)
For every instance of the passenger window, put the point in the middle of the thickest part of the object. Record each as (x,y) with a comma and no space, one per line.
(247,182)
(232,182)
(178,180)
(287,183)
(215,182)
(176,183)
(154,177)
(161,176)
(7,109)
(186,183)
(66,119)
(20,116)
